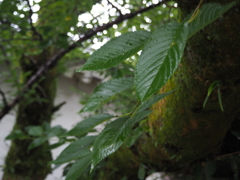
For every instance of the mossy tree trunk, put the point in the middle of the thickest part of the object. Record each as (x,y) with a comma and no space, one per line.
(181,131)
(33,110)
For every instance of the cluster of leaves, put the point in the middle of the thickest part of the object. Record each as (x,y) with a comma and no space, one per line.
(39,135)
(161,54)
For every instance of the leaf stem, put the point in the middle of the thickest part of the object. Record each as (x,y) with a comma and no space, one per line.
(196,11)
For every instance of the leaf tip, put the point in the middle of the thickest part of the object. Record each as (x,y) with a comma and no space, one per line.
(80,69)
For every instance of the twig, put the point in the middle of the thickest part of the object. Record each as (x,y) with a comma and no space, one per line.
(35,32)
(169,5)
(3,98)
(118,10)
(226,155)
(54,59)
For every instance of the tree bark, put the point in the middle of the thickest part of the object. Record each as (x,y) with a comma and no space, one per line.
(180,125)
(33,110)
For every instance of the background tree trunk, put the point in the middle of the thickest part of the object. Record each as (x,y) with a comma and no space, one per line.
(33,110)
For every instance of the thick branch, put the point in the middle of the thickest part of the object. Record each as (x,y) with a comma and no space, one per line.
(53,60)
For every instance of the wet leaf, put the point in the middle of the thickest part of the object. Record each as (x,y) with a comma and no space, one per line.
(207,14)
(79,167)
(160,58)
(75,150)
(87,124)
(113,136)
(106,90)
(116,50)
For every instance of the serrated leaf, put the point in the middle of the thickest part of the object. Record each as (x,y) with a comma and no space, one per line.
(79,167)
(75,150)
(116,50)
(87,124)
(106,90)
(101,151)
(146,104)
(160,58)
(207,14)
(113,136)
(135,134)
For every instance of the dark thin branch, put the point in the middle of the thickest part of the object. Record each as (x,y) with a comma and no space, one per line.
(3,98)
(227,155)
(35,32)
(118,10)
(169,5)
(54,59)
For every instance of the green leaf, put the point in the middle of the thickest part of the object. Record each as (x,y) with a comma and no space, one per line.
(146,104)
(55,145)
(113,136)
(75,150)
(207,14)
(220,99)
(210,168)
(79,167)
(198,171)
(116,51)
(35,130)
(37,142)
(55,131)
(160,58)
(124,178)
(106,90)
(135,134)
(100,148)
(141,172)
(87,124)
(45,43)
(236,133)
(16,134)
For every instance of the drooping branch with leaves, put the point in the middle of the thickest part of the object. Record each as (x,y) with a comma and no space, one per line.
(179,133)
(34,50)
(170,128)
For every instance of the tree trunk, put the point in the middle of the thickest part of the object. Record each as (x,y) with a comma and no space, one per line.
(33,110)
(180,131)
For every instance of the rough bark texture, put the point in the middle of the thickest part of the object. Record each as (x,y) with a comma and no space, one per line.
(181,131)
(33,110)
(180,124)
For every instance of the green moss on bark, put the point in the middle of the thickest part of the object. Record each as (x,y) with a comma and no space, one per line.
(181,127)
